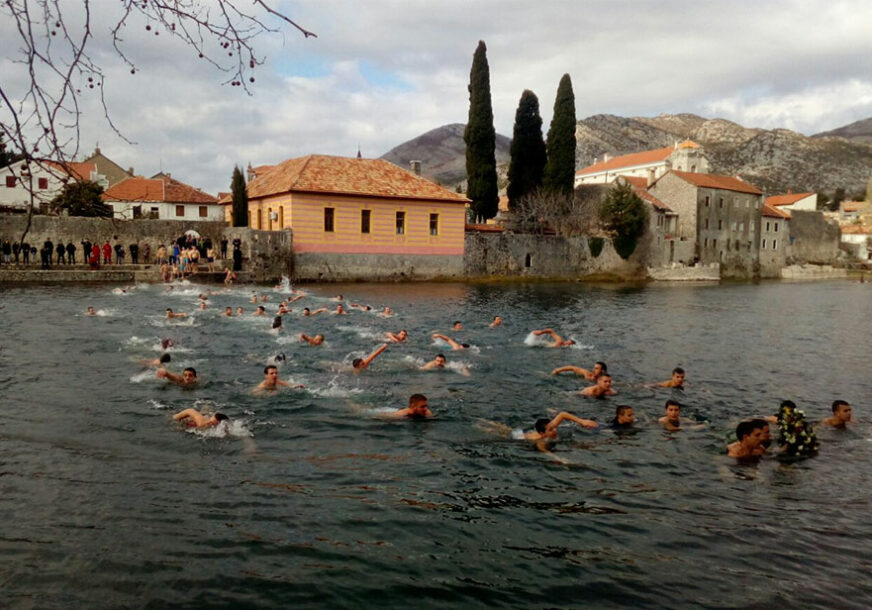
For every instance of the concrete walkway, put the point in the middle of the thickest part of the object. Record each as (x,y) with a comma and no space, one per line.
(105,273)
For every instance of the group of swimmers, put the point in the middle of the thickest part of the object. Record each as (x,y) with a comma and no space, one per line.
(753,437)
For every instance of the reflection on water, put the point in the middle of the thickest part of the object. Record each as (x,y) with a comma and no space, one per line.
(309,498)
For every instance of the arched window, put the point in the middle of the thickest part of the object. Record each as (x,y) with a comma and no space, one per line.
(528,260)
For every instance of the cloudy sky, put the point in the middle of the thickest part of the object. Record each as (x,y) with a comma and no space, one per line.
(382,72)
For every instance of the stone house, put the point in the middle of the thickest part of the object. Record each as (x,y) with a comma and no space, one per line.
(774,240)
(45,179)
(662,243)
(719,214)
(354,217)
(161,197)
(686,156)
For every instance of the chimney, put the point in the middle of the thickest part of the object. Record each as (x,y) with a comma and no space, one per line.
(415,167)
(250,172)
(130,171)
(96,151)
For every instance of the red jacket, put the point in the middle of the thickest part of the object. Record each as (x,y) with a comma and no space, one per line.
(107,250)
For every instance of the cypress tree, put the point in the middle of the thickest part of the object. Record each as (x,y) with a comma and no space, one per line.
(560,170)
(527,163)
(480,138)
(240,199)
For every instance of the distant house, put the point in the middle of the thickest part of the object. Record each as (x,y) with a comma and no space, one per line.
(161,197)
(793,201)
(720,213)
(858,239)
(774,240)
(359,214)
(45,179)
(650,165)
(113,172)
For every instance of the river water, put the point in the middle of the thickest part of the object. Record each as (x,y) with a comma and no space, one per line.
(309,499)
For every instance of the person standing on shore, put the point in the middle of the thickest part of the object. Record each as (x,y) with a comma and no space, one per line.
(25,250)
(48,250)
(16,248)
(71,253)
(223,248)
(134,253)
(61,251)
(146,253)
(107,253)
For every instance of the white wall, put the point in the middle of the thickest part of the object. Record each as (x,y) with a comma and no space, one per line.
(167,211)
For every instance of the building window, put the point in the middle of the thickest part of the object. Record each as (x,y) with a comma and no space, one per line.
(434,224)
(10,182)
(693,169)
(282,217)
(528,261)
(741,227)
(775,226)
(259,218)
(747,203)
(737,245)
(365,219)
(735,226)
(155,212)
(720,225)
(204,211)
(774,244)
(764,244)
(180,210)
(707,201)
(706,224)
(715,243)
(720,202)
(43,183)
(767,226)
(705,243)
(401,223)
(328,219)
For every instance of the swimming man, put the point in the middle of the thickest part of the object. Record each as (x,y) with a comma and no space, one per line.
(454,344)
(599,369)
(601,389)
(676,381)
(399,337)
(271,380)
(750,434)
(194,419)
(187,378)
(557,340)
(360,364)
(170,314)
(316,340)
(841,415)
(417,409)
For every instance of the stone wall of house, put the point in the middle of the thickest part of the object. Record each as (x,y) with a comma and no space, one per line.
(267,254)
(681,197)
(545,256)
(813,239)
(332,267)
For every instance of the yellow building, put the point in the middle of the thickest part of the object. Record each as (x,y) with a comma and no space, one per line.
(365,216)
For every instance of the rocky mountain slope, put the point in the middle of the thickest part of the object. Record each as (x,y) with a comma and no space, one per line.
(859,131)
(774,160)
(442,153)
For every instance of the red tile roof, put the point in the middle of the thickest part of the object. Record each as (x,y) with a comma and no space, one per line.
(79,171)
(854,206)
(787,199)
(349,176)
(714,181)
(640,187)
(772,211)
(640,158)
(164,189)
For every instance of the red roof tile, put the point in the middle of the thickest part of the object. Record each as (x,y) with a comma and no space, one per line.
(714,181)
(350,176)
(774,212)
(787,199)
(165,189)
(640,158)
(79,171)
(640,187)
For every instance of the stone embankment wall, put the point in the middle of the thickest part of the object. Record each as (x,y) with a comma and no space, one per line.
(329,267)
(683,273)
(267,254)
(544,256)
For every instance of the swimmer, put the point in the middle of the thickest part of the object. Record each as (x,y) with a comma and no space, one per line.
(544,431)
(166,343)
(338,297)
(271,380)
(624,418)
(283,310)
(399,337)
(158,362)
(841,415)
(194,419)
(360,364)
(202,297)
(280,357)
(672,420)
(296,298)
(599,369)
(676,381)
(360,307)
(261,311)
(601,389)
(306,311)
(458,325)
(202,306)
(92,311)
(417,409)
(264,298)
(497,322)
(339,311)
(277,323)
(239,311)
(316,340)
(228,312)
(253,298)
(454,344)
(386,312)
(230,277)
(187,378)
(750,435)
(557,340)
(170,314)
(437,363)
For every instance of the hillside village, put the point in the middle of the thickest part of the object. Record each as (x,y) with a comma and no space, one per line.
(350,216)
